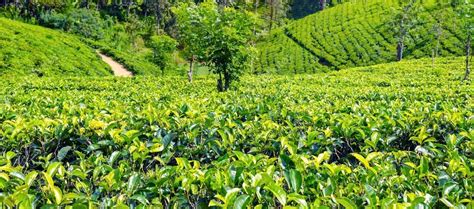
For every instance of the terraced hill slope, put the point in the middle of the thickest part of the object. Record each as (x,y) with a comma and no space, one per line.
(356,33)
(27,49)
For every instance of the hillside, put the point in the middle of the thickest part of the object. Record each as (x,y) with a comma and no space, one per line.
(27,49)
(357,33)
(328,116)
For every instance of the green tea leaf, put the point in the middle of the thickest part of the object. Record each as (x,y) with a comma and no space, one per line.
(446,202)
(286,163)
(231,194)
(278,192)
(214,203)
(18,175)
(10,155)
(58,195)
(120,206)
(49,179)
(133,183)
(361,159)
(140,198)
(295,180)
(241,202)
(52,168)
(300,199)
(346,202)
(364,162)
(424,166)
(113,157)
(63,152)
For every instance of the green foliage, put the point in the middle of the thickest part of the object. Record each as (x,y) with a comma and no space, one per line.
(395,135)
(124,41)
(190,36)
(26,49)
(465,11)
(302,8)
(163,47)
(139,62)
(83,22)
(356,33)
(405,19)
(222,36)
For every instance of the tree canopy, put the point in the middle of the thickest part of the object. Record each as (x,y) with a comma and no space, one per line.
(219,36)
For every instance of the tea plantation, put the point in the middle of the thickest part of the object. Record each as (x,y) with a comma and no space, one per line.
(359,33)
(397,135)
(27,49)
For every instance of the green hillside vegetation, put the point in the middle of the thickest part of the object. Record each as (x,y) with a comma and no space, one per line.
(396,135)
(357,33)
(138,61)
(125,41)
(231,105)
(27,49)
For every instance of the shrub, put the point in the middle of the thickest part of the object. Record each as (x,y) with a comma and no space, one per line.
(163,47)
(84,22)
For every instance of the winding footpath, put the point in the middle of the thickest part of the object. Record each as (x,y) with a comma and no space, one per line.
(117,68)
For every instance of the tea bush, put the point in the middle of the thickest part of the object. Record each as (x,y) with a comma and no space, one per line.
(396,135)
(357,33)
(27,49)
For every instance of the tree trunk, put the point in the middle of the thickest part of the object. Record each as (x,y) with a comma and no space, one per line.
(87,4)
(227,81)
(28,9)
(432,58)
(190,72)
(437,47)
(256,6)
(400,47)
(256,12)
(322,4)
(220,87)
(272,10)
(157,18)
(468,54)
(129,4)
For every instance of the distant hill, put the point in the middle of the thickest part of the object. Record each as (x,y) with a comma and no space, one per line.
(28,49)
(356,33)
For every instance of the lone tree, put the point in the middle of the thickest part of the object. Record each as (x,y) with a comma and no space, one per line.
(437,33)
(189,19)
(405,20)
(163,47)
(465,10)
(219,36)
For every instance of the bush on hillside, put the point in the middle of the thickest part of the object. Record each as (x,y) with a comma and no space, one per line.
(163,47)
(83,22)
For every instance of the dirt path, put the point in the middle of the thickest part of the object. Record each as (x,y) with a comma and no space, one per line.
(119,70)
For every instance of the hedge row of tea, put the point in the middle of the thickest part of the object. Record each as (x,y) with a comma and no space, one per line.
(282,55)
(26,49)
(358,33)
(389,136)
